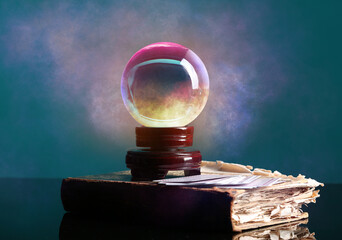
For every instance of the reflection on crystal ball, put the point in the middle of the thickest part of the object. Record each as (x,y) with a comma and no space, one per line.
(165,85)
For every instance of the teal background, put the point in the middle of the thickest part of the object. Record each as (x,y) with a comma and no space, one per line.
(294,121)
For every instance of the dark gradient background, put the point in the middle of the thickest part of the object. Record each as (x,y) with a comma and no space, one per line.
(275,82)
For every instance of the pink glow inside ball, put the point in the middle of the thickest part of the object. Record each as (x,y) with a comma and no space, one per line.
(165,85)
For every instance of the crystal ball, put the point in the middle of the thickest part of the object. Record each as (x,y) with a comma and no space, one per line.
(165,85)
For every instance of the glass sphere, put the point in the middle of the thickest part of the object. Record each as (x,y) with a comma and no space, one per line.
(165,85)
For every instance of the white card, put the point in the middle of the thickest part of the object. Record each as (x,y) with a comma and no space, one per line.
(222,181)
(195,178)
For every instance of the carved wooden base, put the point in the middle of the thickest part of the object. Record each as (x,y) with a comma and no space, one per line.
(164,149)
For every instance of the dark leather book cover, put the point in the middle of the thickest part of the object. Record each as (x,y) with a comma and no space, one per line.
(115,195)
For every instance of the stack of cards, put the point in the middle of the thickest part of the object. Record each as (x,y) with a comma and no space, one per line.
(222,181)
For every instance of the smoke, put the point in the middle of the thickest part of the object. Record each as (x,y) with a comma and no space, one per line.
(87,46)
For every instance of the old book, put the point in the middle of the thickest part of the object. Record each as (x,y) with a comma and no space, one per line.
(190,206)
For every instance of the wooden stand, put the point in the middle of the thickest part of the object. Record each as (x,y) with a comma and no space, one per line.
(162,150)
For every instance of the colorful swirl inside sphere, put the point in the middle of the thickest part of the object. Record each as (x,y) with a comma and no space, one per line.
(165,85)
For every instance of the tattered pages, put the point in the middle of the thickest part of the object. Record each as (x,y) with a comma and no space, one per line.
(260,197)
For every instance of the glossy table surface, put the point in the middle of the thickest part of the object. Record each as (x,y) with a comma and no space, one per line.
(32,209)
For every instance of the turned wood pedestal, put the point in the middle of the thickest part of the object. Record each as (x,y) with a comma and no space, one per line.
(161,150)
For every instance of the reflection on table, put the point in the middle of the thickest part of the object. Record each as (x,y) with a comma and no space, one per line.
(75,226)
(294,230)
